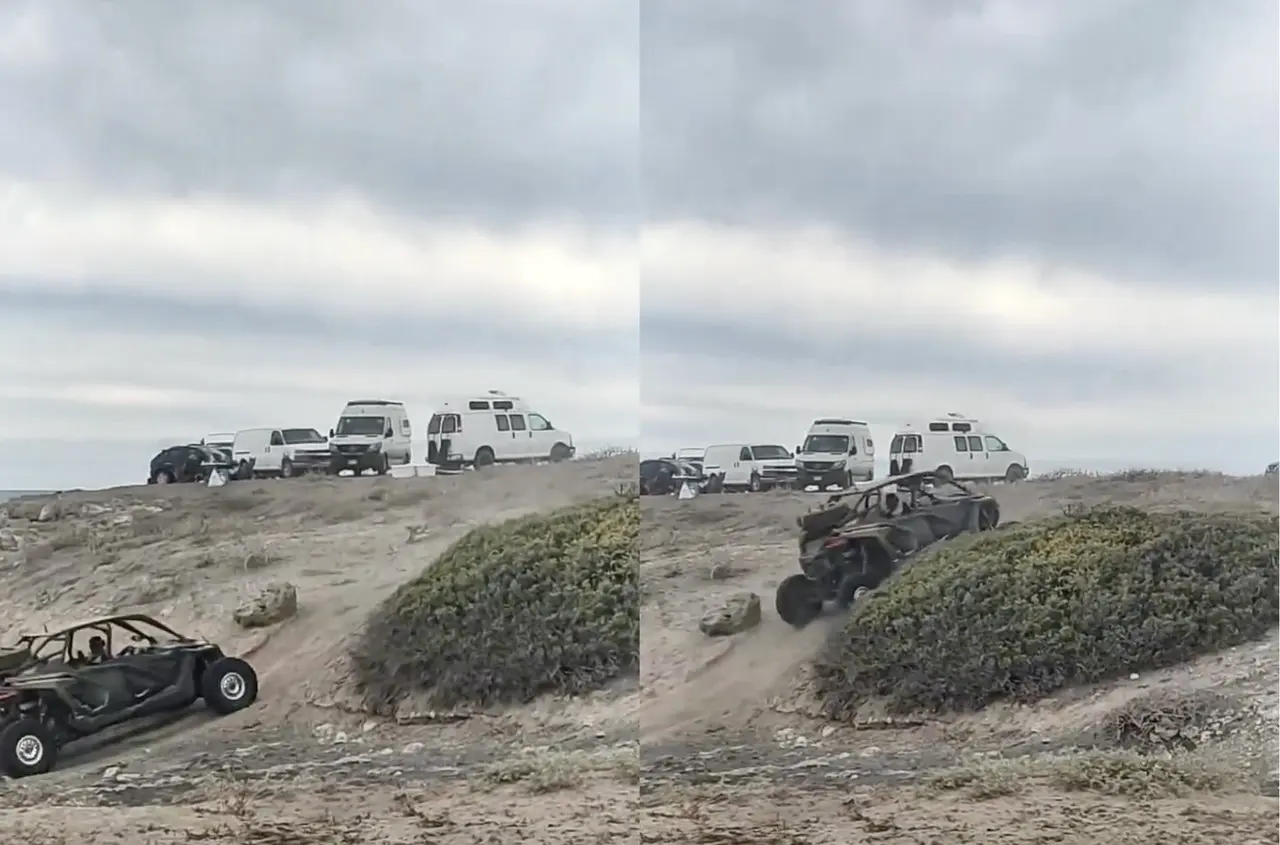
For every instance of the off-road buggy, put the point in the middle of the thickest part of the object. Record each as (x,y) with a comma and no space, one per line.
(98,674)
(860,537)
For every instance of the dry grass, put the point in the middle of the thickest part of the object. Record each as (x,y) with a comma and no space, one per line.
(1121,774)
(544,772)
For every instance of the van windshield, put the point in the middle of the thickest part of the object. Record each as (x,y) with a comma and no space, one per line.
(302,435)
(835,444)
(769,453)
(363,426)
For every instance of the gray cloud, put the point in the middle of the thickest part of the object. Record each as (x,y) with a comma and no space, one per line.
(895,353)
(1136,138)
(491,111)
(577,353)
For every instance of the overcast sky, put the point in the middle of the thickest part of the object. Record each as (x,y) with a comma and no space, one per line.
(1060,218)
(221,215)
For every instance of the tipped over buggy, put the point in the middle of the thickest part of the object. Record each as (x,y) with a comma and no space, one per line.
(858,538)
(60,686)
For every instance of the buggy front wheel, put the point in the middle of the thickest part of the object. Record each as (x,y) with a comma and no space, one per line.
(798,601)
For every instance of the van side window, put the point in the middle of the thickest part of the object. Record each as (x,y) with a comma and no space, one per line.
(937,426)
(517,422)
(477,405)
(537,422)
(975,443)
(961,427)
(503,423)
(276,439)
(995,444)
(744,454)
(503,405)
(449,425)
(962,443)
(911,444)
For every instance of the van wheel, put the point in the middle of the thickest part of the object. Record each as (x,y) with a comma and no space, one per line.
(384,464)
(559,452)
(1014,473)
(848,479)
(945,473)
(484,457)
(286,468)
(244,471)
(755,485)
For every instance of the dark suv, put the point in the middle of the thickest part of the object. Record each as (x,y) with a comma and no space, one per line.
(181,464)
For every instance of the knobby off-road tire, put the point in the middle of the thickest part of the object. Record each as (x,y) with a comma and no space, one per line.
(27,747)
(798,601)
(229,685)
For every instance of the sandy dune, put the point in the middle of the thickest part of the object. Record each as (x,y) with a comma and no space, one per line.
(190,554)
(730,750)
(735,710)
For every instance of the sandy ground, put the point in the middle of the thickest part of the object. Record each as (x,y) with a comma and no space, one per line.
(725,722)
(303,764)
(718,744)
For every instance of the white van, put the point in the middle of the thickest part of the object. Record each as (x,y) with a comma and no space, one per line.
(955,446)
(746,466)
(371,434)
(690,455)
(285,452)
(496,428)
(836,452)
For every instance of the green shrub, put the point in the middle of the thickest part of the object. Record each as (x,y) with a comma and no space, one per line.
(1083,597)
(546,603)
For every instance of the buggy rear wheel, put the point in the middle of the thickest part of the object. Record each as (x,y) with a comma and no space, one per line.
(27,747)
(856,586)
(798,601)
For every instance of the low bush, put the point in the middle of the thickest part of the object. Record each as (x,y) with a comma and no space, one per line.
(1086,596)
(546,603)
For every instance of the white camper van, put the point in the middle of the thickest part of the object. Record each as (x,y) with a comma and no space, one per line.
(957,446)
(285,452)
(836,451)
(492,429)
(746,466)
(371,434)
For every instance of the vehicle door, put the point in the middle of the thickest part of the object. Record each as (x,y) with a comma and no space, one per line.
(543,435)
(404,438)
(521,437)
(981,458)
(191,464)
(504,445)
(273,454)
(743,465)
(963,464)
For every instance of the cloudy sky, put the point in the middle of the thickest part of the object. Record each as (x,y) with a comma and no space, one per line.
(215,216)
(1060,218)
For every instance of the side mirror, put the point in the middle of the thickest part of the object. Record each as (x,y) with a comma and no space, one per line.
(798,450)
(331,432)
(389,433)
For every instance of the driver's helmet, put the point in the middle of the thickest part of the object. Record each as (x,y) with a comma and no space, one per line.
(890,498)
